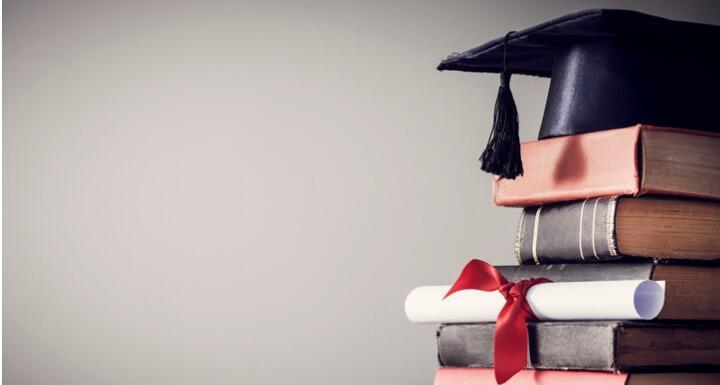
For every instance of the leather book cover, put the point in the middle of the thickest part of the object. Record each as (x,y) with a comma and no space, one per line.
(574,272)
(574,167)
(582,231)
(599,345)
(605,229)
(633,161)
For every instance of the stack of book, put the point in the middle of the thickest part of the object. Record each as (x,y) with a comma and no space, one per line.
(638,203)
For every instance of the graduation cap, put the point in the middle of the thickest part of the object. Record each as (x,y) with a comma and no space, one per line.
(608,69)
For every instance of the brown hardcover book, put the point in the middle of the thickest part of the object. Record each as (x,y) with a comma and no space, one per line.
(604,229)
(602,345)
(690,291)
(634,161)
(673,379)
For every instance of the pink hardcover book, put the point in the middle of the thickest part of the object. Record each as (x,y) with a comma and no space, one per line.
(481,376)
(632,161)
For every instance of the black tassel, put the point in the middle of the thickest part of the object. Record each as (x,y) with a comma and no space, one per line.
(502,154)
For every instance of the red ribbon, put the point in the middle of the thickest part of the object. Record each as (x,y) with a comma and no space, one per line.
(511,335)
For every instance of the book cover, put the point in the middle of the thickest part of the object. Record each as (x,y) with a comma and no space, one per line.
(603,229)
(598,345)
(483,376)
(634,161)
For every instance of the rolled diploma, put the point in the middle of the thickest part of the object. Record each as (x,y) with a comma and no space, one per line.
(556,301)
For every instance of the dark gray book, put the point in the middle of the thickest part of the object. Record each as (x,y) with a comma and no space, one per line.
(603,346)
(574,272)
(605,229)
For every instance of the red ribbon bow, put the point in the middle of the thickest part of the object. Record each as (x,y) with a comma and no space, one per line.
(511,335)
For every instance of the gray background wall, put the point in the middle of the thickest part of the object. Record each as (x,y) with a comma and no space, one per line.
(220,192)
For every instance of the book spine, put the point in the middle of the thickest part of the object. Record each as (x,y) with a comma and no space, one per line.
(574,272)
(577,345)
(570,232)
(591,165)
(465,376)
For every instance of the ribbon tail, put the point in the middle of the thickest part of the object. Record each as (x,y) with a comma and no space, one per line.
(511,342)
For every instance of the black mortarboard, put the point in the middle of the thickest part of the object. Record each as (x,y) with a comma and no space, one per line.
(608,69)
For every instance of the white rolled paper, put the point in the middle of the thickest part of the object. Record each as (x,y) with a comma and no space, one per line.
(556,301)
